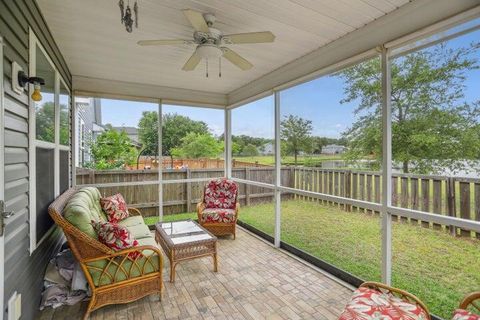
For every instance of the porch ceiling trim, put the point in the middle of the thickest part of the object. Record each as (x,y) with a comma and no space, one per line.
(114,89)
(408,19)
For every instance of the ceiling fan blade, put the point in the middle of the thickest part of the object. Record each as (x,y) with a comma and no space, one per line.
(196,20)
(236,59)
(192,62)
(251,37)
(163,42)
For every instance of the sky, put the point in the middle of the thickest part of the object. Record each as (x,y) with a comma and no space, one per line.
(317,100)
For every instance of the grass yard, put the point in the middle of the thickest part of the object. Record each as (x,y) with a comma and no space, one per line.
(431,264)
(289,160)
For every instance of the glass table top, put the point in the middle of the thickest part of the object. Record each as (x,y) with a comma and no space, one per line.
(184,231)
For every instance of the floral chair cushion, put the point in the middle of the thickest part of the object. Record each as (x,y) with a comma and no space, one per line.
(221,193)
(115,236)
(115,207)
(461,314)
(371,304)
(214,215)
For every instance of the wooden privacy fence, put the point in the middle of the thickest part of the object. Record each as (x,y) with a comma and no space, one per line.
(452,196)
(201,163)
(178,197)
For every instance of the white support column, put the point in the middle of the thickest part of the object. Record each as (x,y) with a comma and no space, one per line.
(228,143)
(278,171)
(73,139)
(386,169)
(160,163)
(56,151)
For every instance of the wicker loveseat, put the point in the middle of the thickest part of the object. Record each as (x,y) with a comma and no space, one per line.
(114,276)
(218,211)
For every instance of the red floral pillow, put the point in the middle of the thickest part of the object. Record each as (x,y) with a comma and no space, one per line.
(115,207)
(461,314)
(115,236)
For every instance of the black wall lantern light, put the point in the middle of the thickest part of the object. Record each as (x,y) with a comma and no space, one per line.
(20,81)
(23,79)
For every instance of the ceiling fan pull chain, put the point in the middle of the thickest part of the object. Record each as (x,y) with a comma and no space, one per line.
(219,67)
(207,67)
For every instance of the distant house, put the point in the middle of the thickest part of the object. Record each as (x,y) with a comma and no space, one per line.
(333,149)
(267,149)
(132,133)
(89,127)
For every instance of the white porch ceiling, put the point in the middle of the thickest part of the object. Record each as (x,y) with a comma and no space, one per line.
(96,45)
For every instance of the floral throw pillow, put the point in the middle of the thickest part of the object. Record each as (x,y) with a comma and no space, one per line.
(371,304)
(115,236)
(461,314)
(115,207)
(221,193)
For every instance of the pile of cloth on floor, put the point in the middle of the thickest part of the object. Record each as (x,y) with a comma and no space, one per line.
(64,282)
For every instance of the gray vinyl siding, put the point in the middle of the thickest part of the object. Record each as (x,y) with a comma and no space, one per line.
(23,272)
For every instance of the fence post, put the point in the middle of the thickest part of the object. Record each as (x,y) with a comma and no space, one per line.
(451,209)
(348,186)
(465,205)
(247,187)
(91,176)
(477,204)
(189,191)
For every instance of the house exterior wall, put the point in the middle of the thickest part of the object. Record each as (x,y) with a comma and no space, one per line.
(23,271)
(88,126)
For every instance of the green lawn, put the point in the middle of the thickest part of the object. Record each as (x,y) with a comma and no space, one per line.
(431,264)
(289,160)
(171,217)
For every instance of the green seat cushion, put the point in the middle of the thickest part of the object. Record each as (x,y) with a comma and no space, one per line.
(140,231)
(116,274)
(131,221)
(82,208)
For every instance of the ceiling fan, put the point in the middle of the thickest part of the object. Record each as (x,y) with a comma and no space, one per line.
(210,42)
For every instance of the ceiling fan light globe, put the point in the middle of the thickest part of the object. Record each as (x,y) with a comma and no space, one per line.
(208,51)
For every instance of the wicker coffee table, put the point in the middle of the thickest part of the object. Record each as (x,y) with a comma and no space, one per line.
(185,240)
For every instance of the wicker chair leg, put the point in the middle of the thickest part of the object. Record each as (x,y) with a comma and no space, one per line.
(86,315)
(90,306)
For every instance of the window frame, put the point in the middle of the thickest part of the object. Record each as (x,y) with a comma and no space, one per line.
(33,142)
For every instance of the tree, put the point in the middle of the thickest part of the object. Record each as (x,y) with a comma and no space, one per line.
(45,122)
(198,145)
(148,132)
(235,148)
(64,124)
(250,151)
(112,150)
(296,132)
(432,128)
(175,127)
(241,141)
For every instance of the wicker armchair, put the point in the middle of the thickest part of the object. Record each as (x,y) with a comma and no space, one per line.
(218,211)
(114,276)
(370,292)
